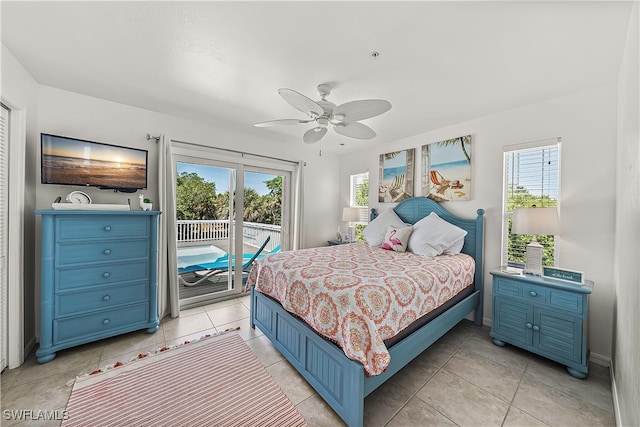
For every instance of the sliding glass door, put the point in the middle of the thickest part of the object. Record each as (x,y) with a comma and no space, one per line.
(228,215)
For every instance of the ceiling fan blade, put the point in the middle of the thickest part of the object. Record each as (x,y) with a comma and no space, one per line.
(360,110)
(301,102)
(314,135)
(355,130)
(282,122)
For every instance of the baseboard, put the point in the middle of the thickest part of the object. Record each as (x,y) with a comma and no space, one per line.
(599,359)
(486,321)
(614,392)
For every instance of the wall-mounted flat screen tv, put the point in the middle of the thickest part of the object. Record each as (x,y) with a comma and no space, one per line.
(70,161)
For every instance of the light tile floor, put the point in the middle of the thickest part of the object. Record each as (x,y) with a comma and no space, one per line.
(463,379)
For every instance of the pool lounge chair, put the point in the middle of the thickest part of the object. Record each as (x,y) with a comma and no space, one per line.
(221,265)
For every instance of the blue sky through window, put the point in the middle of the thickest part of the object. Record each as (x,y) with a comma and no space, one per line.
(220,176)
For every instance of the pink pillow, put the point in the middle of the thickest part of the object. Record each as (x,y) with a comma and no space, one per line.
(396,238)
(374,232)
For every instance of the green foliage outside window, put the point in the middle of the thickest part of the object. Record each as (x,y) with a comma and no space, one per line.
(519,197)
(362,199)
(196,199)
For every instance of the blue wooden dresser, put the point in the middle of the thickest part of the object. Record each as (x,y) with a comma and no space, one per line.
(98,276)
(544,316)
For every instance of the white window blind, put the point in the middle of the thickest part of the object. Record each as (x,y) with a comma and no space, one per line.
(359,194)
(532,177)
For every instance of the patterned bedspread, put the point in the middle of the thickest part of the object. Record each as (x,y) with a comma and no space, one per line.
(359,296)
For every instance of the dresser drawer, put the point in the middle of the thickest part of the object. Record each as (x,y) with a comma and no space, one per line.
(100,323)
(103,227)
(82,252)
(100,275)
(98,299)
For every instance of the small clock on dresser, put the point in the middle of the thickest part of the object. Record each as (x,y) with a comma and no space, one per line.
(79,198)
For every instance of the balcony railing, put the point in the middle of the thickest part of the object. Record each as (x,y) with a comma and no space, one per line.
(193,231)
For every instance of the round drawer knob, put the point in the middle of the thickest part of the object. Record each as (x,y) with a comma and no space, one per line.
(536,328)
(529,326)
(106,321)
(107,228)
(106,298)
(533,294)
(106,275)
(107,251)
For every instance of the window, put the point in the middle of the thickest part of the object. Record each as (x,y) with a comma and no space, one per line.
(532,177)
(359,198)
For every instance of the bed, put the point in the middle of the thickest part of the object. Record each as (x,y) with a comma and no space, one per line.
(341,381)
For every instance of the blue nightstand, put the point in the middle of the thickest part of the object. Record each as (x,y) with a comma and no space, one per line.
(544,316)
(338,242)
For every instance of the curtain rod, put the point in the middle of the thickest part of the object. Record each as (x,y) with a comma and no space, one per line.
(242,153)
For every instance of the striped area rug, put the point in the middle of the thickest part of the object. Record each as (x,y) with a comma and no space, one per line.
(215,382)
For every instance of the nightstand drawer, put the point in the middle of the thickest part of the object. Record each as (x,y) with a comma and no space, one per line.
(76,253)
(506,287)
(566,300)
(89,227)
(99,299)
(100,275)
(100,323)
(535,294)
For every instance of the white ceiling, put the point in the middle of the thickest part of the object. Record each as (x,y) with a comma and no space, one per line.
(440,63)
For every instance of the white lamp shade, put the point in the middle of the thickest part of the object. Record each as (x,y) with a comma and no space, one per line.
(351,214)
(536,221)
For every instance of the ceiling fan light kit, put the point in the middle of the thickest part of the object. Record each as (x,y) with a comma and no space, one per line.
(345,118)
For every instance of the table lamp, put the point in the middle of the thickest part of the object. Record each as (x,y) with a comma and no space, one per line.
(535,221)
(351,215)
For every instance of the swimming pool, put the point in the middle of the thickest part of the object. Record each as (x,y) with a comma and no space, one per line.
(194,255)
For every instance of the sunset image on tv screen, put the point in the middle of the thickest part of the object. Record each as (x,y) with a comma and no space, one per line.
(72,161)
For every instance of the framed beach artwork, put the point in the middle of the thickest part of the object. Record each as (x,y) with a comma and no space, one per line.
(446,169)
(396,176)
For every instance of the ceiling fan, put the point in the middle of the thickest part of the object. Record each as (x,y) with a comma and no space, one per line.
(344,118)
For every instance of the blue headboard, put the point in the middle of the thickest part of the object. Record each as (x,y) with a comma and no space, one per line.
(414,209)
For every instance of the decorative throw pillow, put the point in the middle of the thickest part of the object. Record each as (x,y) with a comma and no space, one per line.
(396,238)
(433,235)
(375,231)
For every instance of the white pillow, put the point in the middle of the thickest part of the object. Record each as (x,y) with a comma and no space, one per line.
(375,231)
(396,238)
(433,235)
(456,248)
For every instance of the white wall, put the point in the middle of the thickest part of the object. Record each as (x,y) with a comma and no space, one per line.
(587,124)
(626,347)
(20,92)
(71,114)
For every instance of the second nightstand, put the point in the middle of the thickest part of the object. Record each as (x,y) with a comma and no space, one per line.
(338,242)
(544,316)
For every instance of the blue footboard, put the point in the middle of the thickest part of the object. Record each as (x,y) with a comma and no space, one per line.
(340,381)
